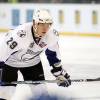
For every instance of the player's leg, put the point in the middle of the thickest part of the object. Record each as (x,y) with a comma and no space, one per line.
(31,92)
(2,99)
(33,73)
(7,74)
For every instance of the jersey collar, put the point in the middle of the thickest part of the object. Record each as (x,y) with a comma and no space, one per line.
(36,39)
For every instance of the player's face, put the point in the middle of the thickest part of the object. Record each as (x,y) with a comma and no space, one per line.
(42,28)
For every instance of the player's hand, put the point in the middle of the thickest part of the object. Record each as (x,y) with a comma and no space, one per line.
(62,77)
(64,80)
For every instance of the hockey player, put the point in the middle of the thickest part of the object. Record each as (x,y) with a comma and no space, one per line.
(21,49)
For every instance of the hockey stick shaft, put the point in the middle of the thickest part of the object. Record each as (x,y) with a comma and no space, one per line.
(50,81)
(85,80)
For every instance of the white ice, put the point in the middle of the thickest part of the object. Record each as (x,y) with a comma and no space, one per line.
(81,59)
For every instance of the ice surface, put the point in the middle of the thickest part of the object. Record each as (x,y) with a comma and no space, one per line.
(81,58)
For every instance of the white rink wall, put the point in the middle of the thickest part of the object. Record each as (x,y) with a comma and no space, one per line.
(68,18)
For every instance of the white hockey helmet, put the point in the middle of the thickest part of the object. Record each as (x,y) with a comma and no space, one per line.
(42,16)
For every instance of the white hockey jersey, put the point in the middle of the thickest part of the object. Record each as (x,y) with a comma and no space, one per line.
(18,47)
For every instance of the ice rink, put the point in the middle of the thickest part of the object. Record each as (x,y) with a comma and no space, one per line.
(81,58)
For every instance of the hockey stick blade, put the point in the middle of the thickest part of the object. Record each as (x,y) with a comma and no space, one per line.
(28,82)
(35,82)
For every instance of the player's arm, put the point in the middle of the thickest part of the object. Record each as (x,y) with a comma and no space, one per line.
(6,48)
(9,45)
(53,56)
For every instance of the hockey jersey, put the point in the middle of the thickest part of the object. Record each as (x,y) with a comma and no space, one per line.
(18,47)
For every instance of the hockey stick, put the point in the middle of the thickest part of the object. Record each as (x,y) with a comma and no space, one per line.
(86,80)
(50,81)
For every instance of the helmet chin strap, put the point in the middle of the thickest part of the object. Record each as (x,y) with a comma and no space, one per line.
(35,32)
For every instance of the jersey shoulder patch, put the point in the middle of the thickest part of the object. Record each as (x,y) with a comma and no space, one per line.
(21,33)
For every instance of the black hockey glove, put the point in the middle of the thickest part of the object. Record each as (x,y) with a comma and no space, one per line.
(62,76)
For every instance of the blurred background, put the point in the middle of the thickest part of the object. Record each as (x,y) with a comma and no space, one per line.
(50,1)
(71,17)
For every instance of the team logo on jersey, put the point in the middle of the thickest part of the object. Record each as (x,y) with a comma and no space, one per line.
(29,55)
(42,44)
(32,52)
(21,33)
